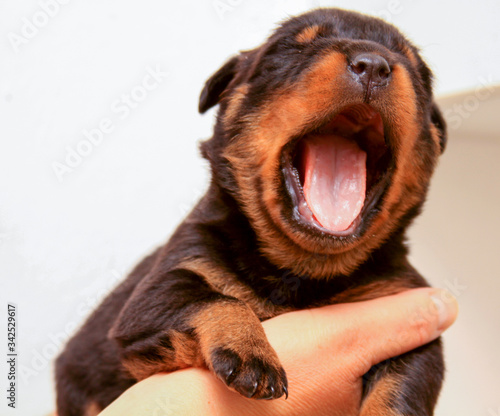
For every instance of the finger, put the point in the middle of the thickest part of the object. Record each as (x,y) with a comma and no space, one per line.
(392,325)
(406,321)
(372,331)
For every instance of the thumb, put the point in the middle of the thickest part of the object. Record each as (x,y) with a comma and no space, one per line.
(368,332)
(389,326)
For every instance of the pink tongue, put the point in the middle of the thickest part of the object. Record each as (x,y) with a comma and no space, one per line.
(334,180)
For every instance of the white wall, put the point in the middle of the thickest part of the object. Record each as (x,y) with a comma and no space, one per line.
(455,244)
(63,243)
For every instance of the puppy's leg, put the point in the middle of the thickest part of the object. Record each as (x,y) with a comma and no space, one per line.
(177,320)
(406,385)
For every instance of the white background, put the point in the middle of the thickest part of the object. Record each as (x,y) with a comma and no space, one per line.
(65,241)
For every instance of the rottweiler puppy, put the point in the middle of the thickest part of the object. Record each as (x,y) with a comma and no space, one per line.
(324,145)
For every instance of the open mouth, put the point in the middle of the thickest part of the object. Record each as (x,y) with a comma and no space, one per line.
(336,174)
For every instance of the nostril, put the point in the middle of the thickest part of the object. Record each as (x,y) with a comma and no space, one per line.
(359,67)
(384,72)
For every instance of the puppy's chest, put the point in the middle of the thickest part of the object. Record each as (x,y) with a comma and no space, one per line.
(271,294)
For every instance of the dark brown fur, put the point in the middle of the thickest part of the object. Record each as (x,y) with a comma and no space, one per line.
(242,257)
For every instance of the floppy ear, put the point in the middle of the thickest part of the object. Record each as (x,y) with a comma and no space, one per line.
(216,84)
(438,120)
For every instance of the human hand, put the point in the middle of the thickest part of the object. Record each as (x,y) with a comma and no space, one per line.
(325,352)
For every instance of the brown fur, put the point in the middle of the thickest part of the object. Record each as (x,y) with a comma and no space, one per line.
(235,102)
(93,410)
(371,291)
(411,56)
(228,284)
(308,34)
(140,367)
(376,403)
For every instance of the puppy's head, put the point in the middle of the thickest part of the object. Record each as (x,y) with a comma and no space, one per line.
(327,136)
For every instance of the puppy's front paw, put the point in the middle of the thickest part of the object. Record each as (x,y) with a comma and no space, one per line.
(250,374)
(235,347)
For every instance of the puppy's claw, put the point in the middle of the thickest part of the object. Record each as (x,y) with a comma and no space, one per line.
(254,390)
(270,395)
(253,378)
(230,376)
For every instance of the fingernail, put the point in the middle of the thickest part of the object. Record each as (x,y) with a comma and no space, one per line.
(447,308)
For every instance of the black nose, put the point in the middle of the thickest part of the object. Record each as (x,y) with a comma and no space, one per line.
(371,68)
